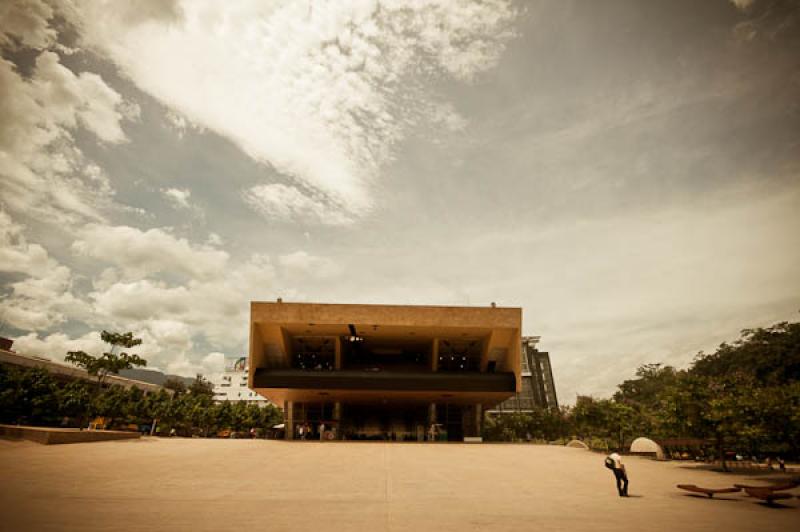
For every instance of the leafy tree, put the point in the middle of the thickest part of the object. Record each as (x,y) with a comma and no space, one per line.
(201,386)
(74,398)
(28,396)
(110,362)
(175,384)
(770,355)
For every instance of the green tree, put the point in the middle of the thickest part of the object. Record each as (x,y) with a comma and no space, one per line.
(28,395)
(74,398)
(175,384)
(110,362)
(201,386)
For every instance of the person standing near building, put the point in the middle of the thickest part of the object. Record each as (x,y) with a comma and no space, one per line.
(614,463)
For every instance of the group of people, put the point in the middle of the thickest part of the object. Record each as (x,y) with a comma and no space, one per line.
(304,431)
(780,461)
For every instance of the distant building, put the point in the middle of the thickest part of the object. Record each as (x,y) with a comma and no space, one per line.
(232,384)
(538,388)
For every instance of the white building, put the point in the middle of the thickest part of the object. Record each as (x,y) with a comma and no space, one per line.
(232,384)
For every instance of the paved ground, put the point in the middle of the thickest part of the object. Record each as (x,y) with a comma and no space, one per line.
(178,484)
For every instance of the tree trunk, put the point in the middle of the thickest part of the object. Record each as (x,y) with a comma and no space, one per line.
(721,451)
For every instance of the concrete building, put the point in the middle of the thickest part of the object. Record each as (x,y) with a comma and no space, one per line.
(67,372)
(232,385)
(538,388)
(384,371)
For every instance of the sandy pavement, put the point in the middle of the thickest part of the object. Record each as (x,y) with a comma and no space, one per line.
(193,485)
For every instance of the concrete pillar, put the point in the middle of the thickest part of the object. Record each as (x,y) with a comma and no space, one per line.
(435,355)
(478,420)
(337,417)
(288,419)
(485,348)
(337,353)
(431,418)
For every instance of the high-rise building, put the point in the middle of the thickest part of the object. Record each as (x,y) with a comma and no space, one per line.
(538,388)
(231,385)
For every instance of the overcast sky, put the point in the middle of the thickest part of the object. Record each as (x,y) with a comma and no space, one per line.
(627,172)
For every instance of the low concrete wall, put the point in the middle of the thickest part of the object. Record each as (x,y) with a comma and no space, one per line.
(53,436)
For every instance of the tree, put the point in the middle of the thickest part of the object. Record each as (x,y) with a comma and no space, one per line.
(110,362)
(28,395)
(175,384)
(201,386)
(74,398)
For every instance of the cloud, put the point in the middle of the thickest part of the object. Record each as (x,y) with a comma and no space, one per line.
(25,23)
(165,346)
(55,346)
(320,91)
(138,253)
(43,172)
(179,198)
(43,297)
(287,203)
(742,4)
(215,308)
(301,265)
(205,301)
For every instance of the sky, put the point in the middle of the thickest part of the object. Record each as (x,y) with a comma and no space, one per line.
(626,172)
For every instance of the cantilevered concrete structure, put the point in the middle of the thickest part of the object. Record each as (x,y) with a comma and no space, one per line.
(384,371)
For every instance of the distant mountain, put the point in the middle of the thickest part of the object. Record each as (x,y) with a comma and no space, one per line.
(152,376)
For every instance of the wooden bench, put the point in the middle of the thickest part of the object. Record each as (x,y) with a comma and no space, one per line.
(710,492)
(775,487)
(767,494)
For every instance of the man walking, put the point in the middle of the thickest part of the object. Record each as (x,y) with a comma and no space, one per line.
(614,463)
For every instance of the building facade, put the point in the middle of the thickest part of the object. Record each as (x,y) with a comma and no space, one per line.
(67,372)
(232,384)
(538,388)
(384,371)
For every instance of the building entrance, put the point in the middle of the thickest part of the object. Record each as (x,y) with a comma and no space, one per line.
(394,422)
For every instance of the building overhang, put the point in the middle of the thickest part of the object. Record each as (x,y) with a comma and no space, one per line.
(384,380)
(494,331)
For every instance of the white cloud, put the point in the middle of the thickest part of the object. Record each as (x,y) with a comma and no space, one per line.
(41,167)
(165,345)
(55,346)
(214,239)
(215,308)
(287,203)
(180,124)
(25,23)
(138,253)
(742,4)
(321,91)
(301,265)
(209,307)
(178,197)
(43,297)
(210,366)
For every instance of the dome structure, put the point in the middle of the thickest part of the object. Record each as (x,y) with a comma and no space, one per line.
(577,444)
(647,446)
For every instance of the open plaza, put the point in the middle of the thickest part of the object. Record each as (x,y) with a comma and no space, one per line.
(206,484)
